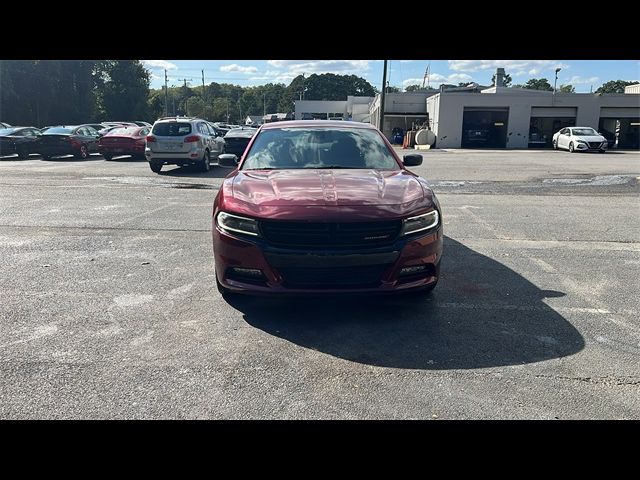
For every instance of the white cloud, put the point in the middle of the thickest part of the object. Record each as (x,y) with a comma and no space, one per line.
(406,61)
(436,79)
(234,67)
(577,80)
(534,67)
(298,67)
(159,64)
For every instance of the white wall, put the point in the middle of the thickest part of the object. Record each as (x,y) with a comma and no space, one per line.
(320,106)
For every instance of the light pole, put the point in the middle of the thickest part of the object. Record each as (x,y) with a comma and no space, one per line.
(556,80)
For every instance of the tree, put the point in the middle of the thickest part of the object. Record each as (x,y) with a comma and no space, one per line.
(392,89)
(507,80)
(614,86)
(538,84)
(567,89)
(413,88)
(123,91)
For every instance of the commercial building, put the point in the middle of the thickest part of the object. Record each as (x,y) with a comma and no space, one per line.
(354,108)
(501,117)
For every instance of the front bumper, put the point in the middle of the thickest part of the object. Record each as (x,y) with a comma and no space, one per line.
(333,271)
(591,146)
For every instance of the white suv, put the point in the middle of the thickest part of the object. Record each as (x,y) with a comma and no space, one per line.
(182,141)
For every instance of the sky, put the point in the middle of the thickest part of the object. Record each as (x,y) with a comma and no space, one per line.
(582,74)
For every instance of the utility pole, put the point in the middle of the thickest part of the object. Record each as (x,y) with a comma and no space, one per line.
(186,111)
(382,95)
(204,102)
(166,95)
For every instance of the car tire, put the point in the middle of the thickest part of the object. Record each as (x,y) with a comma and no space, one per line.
(555,145)
(107,157)
(83,153)
(571,150)
(602,151)
(205,164)
(45,157)
(155,167)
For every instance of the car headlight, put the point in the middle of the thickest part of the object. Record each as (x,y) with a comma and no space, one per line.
(235,223)
(420,223)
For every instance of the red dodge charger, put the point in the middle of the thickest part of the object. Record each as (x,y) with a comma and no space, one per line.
(318,207)
(127,140)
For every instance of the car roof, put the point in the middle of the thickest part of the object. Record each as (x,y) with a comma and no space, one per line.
(317,123)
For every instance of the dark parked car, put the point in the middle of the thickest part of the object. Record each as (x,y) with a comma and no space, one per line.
(19,140)
(4,125)
(124,141)
(236,140)
(325,207)
(79,141)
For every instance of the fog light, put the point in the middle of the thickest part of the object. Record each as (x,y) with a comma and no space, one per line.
(413,270)
(248,272)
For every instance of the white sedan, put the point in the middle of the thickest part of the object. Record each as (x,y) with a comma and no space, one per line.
(579,139)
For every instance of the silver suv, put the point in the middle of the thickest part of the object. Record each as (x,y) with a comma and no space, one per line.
(182,141)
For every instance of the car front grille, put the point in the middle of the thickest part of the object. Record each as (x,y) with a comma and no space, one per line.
(594,144)
(333,278)
(331,235)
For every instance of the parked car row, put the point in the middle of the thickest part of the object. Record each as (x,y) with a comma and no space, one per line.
(170,141)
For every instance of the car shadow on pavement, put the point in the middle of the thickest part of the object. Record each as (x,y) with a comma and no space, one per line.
(482,314)
(192,171)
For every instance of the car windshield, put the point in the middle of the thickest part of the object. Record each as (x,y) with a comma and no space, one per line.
(7,131)
(172,129)
(58,130)
(584,131)
(295,148)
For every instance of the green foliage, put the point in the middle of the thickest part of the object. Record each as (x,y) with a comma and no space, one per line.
(614,86)
(538,84)
(567,89)
(507,80)
(49,92)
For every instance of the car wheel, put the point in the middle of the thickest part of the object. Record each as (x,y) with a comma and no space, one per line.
(205,163)
(571,147)
(155,167)
(107,156)
(45,157)
(83,153)
(602,151)
(555,145)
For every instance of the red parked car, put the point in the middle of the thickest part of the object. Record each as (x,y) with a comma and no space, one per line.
(128,140)
(324,207)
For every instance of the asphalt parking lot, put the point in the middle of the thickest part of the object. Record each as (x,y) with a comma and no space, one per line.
(108,304)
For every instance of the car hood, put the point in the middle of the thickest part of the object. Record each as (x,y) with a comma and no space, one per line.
(590,138)
(311,187)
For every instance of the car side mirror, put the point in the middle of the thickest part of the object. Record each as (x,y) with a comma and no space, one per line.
(412,160)
(228,160)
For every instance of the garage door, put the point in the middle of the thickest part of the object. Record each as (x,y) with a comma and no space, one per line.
(553,112)
(619,112)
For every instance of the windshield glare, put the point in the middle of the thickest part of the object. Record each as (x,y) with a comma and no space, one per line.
(7,131)
(296,148)
(584,131)
(54,130)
